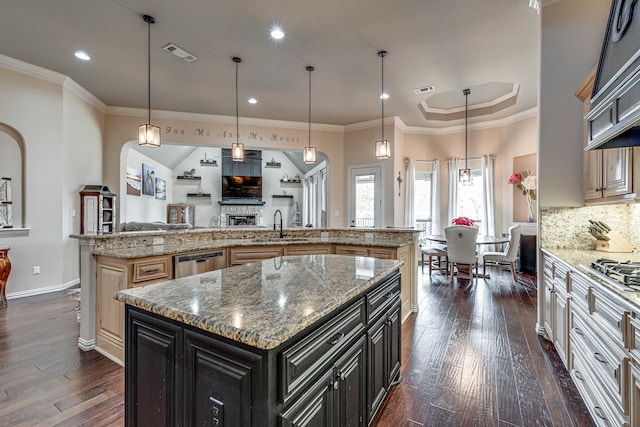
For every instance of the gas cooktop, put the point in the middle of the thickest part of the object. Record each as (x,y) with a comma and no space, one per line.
(624,273)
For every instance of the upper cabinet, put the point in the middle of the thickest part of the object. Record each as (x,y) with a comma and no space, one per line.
(608,173)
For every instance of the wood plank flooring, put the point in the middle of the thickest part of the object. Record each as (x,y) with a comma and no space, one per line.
(471,357)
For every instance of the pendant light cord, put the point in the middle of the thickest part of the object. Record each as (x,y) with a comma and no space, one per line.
(466,131)
(149,22)
(237,60)
(382,55)
(310,69)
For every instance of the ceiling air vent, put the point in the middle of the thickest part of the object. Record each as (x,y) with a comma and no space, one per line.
(424,89)
(180,53)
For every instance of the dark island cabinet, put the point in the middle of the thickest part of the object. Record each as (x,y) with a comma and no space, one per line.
(336,372)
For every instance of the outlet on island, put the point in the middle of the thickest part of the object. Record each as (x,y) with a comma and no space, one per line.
(36,269)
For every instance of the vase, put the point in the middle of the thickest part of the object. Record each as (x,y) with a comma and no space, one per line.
(530,215)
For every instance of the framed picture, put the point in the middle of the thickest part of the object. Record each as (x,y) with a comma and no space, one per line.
(148,180)
(134,181)
(161,189)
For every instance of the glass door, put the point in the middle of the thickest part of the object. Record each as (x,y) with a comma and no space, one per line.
(365,196)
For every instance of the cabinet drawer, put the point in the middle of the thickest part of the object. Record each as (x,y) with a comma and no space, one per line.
(381,297)
(307,249)
(633,336)
(579,288)
(151,269)
(352,250)
(607,367)
(244,255)
(301,362)
(609,314)
(384,253)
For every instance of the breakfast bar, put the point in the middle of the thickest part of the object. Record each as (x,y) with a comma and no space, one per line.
(312,338)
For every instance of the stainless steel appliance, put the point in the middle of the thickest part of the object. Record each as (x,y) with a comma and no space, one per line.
(196,263)
(622,275)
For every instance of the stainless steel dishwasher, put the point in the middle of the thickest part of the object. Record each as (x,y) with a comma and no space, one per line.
(199,262)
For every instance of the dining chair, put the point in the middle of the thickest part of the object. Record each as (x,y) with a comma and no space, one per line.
(461,247)
(507,256)
(439,252)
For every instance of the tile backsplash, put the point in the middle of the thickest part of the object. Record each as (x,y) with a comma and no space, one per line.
(567,228)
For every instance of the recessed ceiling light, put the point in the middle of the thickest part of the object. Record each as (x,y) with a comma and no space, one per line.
(253,101)
(277,33)
(82,55)
(384,96)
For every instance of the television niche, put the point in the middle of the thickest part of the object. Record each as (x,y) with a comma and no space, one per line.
(241,187)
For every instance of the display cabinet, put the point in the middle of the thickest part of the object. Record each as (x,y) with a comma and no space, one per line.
(181,213)
(97,208)
(6,215)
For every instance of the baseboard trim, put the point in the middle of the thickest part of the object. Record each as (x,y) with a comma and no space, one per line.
(41,291)
(109,356)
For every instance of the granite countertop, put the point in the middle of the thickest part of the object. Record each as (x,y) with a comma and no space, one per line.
(191,246)
(577,258)
(265,303)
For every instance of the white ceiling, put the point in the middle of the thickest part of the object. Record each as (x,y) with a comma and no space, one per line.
(451,44)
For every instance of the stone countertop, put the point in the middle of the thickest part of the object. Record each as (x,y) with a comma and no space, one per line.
(262,304)
(191,246)
(578,257)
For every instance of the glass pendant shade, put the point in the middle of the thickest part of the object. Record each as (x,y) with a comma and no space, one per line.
(237,151)
(383,149)
(309,155)
(464,176)
(148,136)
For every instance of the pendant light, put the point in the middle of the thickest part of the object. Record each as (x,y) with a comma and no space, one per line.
(309,154)
(237,149)
(383,147)
(464,175)
(149,135)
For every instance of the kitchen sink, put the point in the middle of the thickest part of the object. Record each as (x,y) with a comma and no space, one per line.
(283,239)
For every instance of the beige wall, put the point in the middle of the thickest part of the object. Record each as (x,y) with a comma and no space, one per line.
(62,139)
(571,37)
(505,142)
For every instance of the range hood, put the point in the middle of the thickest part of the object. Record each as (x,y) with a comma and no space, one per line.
(613,120)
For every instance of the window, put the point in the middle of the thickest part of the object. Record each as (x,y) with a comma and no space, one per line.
(422,194)
(470,197)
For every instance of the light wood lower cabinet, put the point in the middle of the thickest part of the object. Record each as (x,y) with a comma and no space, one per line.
(307,249)
(115,274)
(246,254)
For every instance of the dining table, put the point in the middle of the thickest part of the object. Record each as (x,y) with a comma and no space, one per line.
(482,239)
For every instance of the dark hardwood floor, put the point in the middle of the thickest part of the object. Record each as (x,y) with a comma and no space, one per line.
(471,357)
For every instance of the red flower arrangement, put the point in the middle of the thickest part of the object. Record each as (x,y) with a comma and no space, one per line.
(463,220)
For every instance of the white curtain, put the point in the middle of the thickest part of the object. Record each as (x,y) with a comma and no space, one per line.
(409,199)
(454,165)
(488,225)
(435,199)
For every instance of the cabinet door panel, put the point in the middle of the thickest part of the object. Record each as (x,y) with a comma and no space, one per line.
(218,381)
(377,374)
(153,375)
(351,402)
(617,171)
(315,408)
(395,345)
(593,175)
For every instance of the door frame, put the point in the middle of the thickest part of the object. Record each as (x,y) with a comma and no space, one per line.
(377,169)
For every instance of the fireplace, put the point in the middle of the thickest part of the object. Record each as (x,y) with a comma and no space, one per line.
(235,220)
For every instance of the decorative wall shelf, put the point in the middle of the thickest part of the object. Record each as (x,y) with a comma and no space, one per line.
(189,178)
(273,165)
(199,195)
(282,196)
(290,181)
(209,163)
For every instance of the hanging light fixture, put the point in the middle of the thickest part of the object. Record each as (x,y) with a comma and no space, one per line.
(464,175)
(309,154)
(383,147)
(149,135)
(237,149)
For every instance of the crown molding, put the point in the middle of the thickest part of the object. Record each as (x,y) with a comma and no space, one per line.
(515,87)
(214,118)
(31,70)
(84,94)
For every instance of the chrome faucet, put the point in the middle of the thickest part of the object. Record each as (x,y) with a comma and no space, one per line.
(275,214)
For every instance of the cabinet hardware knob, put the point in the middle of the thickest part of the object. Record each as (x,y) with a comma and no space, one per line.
(598,411)
(336,385)
(578,375)
(336,338)
(152,270)
(578,331)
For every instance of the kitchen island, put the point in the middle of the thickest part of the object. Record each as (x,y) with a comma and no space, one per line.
(295,340)
(118,261)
